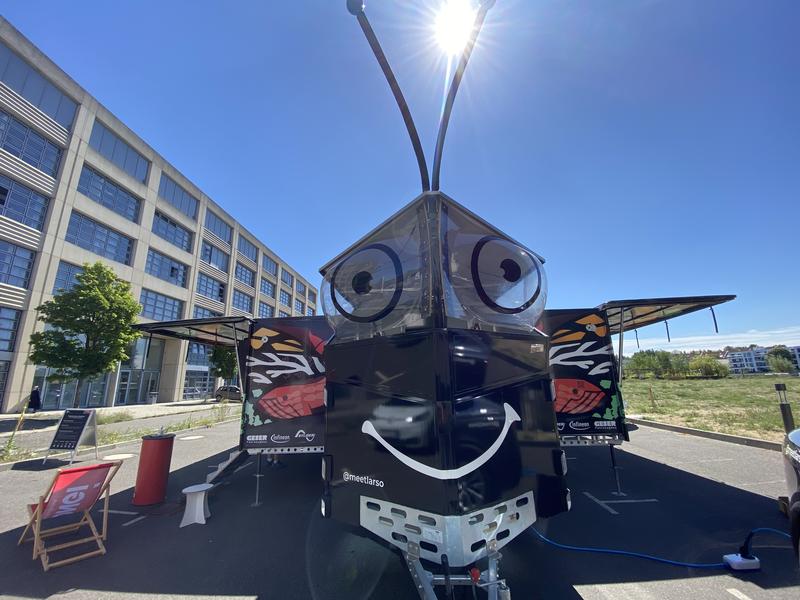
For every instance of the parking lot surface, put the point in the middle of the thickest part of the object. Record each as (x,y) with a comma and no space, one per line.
(688,499)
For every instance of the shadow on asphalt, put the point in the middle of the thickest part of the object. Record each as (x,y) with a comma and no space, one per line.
(284,549)
(37,464)
(7,425)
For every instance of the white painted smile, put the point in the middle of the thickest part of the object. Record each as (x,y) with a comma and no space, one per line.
(511,416)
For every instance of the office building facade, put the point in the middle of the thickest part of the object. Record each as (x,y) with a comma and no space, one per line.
(78,186)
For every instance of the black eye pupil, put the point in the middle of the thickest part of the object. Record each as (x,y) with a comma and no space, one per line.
(511,270)
(361,282)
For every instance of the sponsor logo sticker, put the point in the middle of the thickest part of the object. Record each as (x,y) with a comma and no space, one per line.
(277,438)
(606,424)
(561,426)
(578,425)
(309,437)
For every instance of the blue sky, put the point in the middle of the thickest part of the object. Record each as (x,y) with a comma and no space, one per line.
(645,148)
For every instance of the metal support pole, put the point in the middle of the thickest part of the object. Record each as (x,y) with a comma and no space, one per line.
(480,16)
(621,342)
(786,408)
(619,491)
(258,477)
(356,8)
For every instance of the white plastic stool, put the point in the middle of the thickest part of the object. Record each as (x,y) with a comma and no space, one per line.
(196,504)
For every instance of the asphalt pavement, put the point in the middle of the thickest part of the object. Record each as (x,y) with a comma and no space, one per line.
(688,499)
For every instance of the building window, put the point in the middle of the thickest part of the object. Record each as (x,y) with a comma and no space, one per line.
(248,249)
(22,204)
(242,301)
(101,190)
(16,264)
(9,321)
(218,227)
(112,147)
(312,296)
(160,307)
(285,298)
(299,307)
(91,235)
(166,228)
(163,267)
(210,287)
(267,288)
(214,257)
(245,275)
(198,354)
(309,311)
(23,142)
(265,311)
(4,365)
(177,196)
(283,313)
(269,265)
(301,287)
(28,83)
(66,277)
(287,277)
(200,312)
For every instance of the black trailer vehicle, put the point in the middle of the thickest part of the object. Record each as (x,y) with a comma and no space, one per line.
(791,464)
(427,388)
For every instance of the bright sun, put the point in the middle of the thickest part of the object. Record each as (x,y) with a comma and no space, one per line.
(454,23)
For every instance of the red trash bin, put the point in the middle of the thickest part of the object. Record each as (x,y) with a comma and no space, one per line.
(151,478)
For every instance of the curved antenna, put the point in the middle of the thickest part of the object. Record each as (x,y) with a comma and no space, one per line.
(356,8)
(451,93)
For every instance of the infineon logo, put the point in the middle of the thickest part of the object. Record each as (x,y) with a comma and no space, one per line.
(365,479)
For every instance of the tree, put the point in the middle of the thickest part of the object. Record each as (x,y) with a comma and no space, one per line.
(90,327)
(779,364)
(709,366)
(223,362)
(780,352)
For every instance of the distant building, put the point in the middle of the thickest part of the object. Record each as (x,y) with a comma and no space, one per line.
(755,360)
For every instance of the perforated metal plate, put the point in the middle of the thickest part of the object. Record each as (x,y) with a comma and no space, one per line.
(463,538)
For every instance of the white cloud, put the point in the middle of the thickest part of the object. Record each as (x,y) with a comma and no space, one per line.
(790,336)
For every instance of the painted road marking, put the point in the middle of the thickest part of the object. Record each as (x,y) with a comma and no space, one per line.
(737,594)
(136,520)
(763,482)
(191,437)
(118,456)
(605,503)
(120,512)
(247,464)
(601,503)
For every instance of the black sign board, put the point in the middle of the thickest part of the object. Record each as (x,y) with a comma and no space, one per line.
(76,426)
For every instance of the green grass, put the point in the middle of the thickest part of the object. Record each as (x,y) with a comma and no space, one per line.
(10,452)
(104,418)
(737,405)
(218,414)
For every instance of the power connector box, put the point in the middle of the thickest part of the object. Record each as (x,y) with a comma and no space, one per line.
(737,562)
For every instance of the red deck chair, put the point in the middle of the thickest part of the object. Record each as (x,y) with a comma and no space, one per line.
(73,491)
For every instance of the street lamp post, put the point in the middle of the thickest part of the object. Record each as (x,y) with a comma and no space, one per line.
(786,408)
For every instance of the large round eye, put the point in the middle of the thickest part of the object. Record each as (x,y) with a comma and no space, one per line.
(508,278)
(366,286)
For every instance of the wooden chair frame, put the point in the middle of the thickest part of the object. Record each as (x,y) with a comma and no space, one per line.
(39,534)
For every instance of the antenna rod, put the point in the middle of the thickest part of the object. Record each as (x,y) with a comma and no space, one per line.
(451,93)
(356,8)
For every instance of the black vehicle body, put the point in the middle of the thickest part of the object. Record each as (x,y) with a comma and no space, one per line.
(438,397)
(791,464)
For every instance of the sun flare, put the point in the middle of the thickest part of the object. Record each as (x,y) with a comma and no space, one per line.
(454,23)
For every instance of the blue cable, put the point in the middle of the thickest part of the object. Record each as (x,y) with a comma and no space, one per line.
(744,550)
(674,563)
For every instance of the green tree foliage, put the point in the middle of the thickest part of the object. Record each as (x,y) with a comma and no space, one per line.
(658,363)
(223,362)
(779,364)
(90,327)
(708,366)
(780,352)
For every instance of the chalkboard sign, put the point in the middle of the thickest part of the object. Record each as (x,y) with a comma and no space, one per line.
(76,427)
